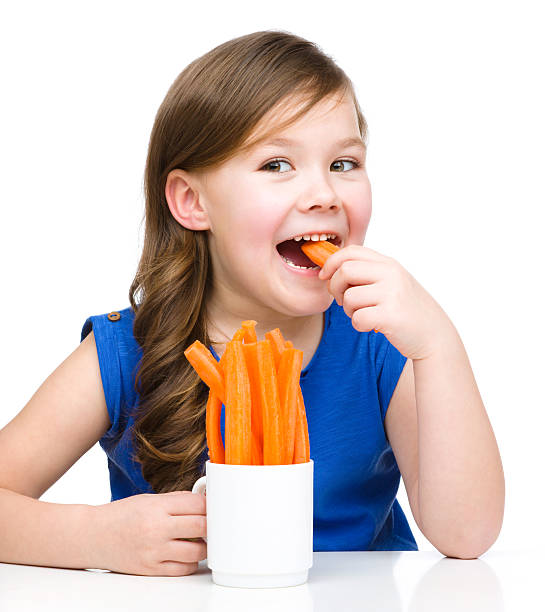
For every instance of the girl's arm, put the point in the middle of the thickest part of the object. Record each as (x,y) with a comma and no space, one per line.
(64,418)
(143,534)
(461,486)
(437,425)
(34,532)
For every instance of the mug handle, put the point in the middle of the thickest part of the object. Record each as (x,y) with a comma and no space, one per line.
(200,488)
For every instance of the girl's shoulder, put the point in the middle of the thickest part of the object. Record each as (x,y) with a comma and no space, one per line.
(114,323)
(118,358)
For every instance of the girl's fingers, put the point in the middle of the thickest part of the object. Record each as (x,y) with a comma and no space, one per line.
(185,552)
(354,273)
(350,252)
(188,526)
(362,296)
(366,319)
(181,503)
(176,569)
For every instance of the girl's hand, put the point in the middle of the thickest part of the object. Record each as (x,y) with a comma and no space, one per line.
(377,292)
(143,534)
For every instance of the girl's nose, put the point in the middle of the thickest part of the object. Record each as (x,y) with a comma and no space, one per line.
(320,195)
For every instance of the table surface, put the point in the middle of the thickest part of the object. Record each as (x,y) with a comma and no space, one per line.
(338,581)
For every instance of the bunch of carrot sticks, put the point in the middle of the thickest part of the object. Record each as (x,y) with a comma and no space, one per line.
(259,384)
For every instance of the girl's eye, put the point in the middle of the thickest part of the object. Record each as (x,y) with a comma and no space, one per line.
(354,163)
(274,165)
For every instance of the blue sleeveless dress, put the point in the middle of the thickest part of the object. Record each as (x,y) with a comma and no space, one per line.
(347,387)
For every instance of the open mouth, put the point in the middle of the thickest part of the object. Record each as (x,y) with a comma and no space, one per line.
(290,251)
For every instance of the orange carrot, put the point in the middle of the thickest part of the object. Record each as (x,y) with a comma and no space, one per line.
(239,334)
(259,384)
(216,450)
(206,367)
(305,425)
(319,251)
(277,344)
(256,453)
(270,402)
(238,407)
(250,354)
(249,330)
(289,370)
(301,452)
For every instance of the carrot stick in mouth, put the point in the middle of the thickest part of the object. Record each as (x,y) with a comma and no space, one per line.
(319,251)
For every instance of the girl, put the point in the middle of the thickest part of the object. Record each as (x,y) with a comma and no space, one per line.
(259,145)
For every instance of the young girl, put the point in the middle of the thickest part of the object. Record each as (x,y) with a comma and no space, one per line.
(258,146)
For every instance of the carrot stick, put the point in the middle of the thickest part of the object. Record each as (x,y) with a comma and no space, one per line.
(249,330)
(305,425)
(206,367)
(216,450)
(221,364)
(299,447)
(239,334)
(319,251)
(250,354)
(238,406)
(301,453)
(289,370)
(257,454)
(270,401)
(277,344)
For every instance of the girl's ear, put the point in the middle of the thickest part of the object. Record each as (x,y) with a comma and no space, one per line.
(183,201)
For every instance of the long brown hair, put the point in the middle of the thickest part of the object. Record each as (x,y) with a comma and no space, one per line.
(206,117)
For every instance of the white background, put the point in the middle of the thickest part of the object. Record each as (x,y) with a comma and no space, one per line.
(453,95)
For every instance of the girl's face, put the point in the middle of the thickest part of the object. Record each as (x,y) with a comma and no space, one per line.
(309,181)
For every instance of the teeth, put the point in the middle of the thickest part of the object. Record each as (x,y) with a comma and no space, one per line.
(290,263)
(315,237)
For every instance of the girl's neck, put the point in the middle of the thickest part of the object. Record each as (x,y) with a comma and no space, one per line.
(305,332)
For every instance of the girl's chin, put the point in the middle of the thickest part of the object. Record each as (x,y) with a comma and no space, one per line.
(308,293)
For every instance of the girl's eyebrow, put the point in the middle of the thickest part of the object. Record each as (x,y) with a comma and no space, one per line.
(351,141)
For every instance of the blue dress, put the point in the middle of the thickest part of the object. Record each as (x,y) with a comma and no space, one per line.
(347,387)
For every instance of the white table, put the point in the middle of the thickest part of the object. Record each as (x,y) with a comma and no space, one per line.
(338,582)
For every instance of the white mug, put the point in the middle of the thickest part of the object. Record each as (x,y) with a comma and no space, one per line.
(259,523)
